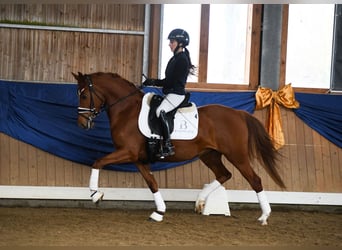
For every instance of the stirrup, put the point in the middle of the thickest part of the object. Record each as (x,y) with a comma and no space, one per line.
(166,151)
(165,154)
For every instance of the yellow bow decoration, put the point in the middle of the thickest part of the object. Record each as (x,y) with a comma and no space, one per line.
(266,97)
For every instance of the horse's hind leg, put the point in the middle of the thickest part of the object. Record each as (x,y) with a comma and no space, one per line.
(254,180)
(213,160)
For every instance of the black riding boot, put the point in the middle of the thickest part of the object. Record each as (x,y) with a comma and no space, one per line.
(168,148)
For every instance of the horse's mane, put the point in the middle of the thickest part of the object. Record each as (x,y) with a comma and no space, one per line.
(114,75)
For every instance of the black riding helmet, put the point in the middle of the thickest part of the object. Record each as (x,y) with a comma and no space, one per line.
(181,36)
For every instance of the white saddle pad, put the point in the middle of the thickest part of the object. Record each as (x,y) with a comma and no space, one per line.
(185,123)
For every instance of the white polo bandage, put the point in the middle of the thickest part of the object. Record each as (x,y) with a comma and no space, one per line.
(94,179)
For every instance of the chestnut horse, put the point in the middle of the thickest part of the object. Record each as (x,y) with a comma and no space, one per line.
(222,131)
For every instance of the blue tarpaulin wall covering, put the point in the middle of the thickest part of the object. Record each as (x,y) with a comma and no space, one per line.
(45,116)
(322,113)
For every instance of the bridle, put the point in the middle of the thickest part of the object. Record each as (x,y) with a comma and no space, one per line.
(82,111)
(92,109)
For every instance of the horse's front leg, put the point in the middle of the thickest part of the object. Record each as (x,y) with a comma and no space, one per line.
(116,157)
(152,184)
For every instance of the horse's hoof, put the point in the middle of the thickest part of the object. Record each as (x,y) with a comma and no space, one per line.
(156,217)
(263,219)
(151,220)
(199,206)
(97,196)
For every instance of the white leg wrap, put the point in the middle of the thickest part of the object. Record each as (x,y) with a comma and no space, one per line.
(202,196)
(161,207)
(95,195)
(159,201)
(265,207)
(208,189)
(94,180)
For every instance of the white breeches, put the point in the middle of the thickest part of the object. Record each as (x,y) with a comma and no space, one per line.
(170,102)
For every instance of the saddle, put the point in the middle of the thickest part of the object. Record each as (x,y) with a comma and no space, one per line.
(183,122)
(153,120)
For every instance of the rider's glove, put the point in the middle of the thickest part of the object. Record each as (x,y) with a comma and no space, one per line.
(153,82)
(149,82)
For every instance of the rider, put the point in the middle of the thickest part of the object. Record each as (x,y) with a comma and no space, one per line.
(176,74)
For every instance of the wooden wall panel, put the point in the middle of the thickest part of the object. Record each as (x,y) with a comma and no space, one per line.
(51,56)
(5,158)
(100,16)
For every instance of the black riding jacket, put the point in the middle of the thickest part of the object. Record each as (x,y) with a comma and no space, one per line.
(176,75)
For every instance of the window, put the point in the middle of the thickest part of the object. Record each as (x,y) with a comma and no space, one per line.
(227,43)
(187,17)
(309,45)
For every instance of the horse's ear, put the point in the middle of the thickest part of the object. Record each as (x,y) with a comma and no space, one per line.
(77,77)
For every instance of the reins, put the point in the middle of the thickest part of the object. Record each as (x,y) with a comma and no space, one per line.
(122,98)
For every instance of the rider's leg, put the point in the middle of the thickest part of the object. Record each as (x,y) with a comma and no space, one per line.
(170,102)
(168,148)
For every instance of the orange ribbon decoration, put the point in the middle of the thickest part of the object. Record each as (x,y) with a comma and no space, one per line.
(266,97)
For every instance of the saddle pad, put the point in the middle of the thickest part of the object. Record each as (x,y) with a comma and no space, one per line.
(185,123)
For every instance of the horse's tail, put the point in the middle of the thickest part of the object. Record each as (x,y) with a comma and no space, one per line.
(260,146)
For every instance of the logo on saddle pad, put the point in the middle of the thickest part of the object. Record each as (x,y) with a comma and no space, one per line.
(183,121)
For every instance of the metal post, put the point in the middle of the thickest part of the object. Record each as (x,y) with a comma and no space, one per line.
(146,39)
(271,46)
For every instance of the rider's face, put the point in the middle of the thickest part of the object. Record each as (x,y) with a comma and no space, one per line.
(173,45)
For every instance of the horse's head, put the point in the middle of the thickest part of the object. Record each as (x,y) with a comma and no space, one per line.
(91,100)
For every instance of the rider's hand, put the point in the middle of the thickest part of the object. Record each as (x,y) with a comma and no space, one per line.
(149,82)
